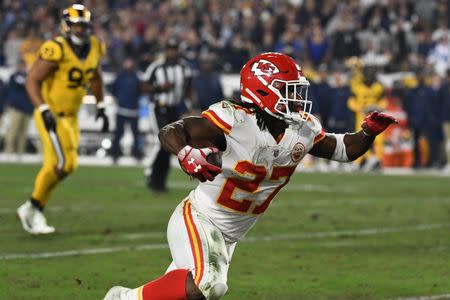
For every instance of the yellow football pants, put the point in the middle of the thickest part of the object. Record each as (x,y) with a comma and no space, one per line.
(60,154)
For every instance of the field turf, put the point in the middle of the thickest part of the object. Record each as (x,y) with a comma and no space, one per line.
(326,236)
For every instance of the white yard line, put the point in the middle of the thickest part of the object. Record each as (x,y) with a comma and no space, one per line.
(434,297)
(280,237)
(347,233)
(130,162)
(7,210)
(80,252)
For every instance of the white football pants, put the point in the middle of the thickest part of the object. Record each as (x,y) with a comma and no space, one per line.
(198,246)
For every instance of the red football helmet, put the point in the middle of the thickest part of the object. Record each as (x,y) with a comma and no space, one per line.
(276,84)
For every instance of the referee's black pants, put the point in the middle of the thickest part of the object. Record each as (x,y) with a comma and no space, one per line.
(161,165)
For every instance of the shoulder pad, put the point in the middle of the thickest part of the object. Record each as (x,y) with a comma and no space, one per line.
(221,114)
(51,50)
(316,128)
(97,42)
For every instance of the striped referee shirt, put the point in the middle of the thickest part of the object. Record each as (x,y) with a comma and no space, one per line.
(179,74)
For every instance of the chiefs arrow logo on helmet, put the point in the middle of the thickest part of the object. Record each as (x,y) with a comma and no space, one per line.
(264,67)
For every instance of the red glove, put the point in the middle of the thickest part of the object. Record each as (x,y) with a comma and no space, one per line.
(194,162)
(376,122)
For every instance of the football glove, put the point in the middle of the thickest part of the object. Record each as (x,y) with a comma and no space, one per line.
(194,162)
(376,122)
(101,115)
(48,117)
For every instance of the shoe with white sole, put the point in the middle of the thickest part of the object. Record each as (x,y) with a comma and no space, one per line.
(33,220)
(120,293)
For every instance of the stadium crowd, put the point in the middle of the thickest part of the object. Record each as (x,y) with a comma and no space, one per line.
(343,46)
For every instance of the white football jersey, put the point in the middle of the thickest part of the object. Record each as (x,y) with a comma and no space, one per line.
(254,168)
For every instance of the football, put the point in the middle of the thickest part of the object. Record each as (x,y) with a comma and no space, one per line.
(213,158)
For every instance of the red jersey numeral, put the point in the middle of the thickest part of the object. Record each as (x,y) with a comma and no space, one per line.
(256,175)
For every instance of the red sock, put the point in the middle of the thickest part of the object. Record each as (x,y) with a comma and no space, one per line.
(171,286)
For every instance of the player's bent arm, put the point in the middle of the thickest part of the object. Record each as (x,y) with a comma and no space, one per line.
(343,147)
(194,131)
(193,139)
(38,72)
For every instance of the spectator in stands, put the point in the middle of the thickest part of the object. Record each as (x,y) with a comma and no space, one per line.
(340,117)
(439,56)
(375,37)
(289,43)
(446,116)
(126,89)
(2,100)
(19,111)
(317,44)
(424,43)
(235,54)
(344,43)
(193,48)
(148,47)
(320,93)
(401,32)
(11,46)
(306,12)
(268,28)
(435,129)
(374,57)
(417,102)
(207,85)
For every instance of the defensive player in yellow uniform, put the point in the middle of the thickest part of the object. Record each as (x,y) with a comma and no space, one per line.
(367,95)
(56,84)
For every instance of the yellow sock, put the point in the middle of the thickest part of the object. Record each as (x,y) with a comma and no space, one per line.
(44,184)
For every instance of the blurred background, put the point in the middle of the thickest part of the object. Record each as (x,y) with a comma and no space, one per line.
(359,56)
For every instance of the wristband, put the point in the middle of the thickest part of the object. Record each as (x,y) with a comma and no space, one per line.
(43,107)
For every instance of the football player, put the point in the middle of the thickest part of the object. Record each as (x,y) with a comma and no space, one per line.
(367,95)
(56,84)
(261,140)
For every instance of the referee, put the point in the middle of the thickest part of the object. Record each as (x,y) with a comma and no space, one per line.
(168,80)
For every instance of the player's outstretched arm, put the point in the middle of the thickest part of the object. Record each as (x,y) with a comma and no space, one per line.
(192,139)
(350,146)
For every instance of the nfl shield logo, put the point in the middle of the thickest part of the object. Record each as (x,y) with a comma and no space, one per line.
(276,152)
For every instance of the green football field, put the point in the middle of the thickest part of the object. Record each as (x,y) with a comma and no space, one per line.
(326,236)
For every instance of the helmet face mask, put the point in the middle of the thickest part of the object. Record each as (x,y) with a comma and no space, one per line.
(76,24)
(293,104)
(275,83)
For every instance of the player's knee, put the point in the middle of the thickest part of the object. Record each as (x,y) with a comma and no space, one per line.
(71,168)
(215,291)
(71,165)
(60,173)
